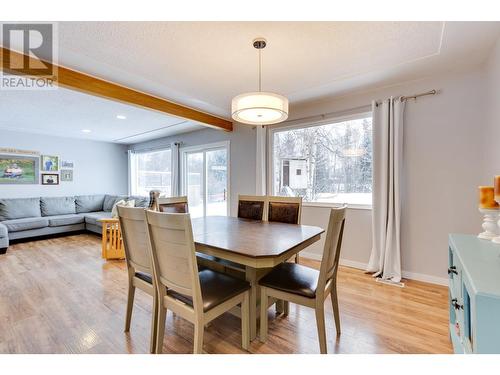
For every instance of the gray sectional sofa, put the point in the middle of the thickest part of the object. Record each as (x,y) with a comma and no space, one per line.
(33,217)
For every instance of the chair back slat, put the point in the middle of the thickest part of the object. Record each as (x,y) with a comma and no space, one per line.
(135,241)
(173,205)
(174,258)
(284,209)
(333,244)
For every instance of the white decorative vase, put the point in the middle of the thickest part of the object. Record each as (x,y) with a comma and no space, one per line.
(490,225)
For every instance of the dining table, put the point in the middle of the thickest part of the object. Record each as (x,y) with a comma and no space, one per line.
(253,246)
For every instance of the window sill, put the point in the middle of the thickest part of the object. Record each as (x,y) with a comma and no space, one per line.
(350,206)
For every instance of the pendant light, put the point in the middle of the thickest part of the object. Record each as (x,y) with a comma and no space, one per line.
(259,108)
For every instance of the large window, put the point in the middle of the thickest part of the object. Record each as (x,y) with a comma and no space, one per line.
(329,163)
(151,171)
(206,178)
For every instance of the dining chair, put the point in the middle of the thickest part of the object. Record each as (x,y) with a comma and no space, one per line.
(139,262)
(173,204)
(285,210)
(252,207)
(306,286)
(198,297)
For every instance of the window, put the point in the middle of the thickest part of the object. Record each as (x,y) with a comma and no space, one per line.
(151,171)
(206,178)
(329,163)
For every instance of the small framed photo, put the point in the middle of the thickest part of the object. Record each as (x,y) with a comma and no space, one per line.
(67,175)
(50,179)
(67,164)
(50,163)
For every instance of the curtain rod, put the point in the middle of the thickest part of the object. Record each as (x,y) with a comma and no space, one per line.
(156,148)
(431,92)
(414,96)
(364,108)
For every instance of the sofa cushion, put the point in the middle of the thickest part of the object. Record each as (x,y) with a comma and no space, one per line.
(27,223)
(18,208)
(89,203)
(60,220)
(3,231)
(110,200)
(52,206)
(140,201)
(93,217)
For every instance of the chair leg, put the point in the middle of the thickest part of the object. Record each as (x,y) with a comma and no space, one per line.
(286,308)
(263,314)
(154,324)
(160,328)
(199,329)
(245,321)
(130,305)
(335,305)
(297,258)
(320,322)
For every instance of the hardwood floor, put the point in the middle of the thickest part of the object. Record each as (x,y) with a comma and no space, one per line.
(58,296)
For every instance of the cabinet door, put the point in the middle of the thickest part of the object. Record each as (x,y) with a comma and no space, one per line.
(454,275)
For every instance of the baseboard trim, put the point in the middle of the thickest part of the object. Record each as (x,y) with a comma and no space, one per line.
(362,266)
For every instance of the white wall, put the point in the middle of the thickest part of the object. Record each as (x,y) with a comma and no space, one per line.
(442,166)
(243,155)
(492,100)
(99,167)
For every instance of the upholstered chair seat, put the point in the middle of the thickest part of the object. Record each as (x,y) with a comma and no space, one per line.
(216,288)
(292,278)
(144,277)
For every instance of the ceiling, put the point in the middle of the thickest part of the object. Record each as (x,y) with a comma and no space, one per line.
(204,64)
(66,113)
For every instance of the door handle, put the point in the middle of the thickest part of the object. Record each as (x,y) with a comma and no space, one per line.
(453,270)
(456,305)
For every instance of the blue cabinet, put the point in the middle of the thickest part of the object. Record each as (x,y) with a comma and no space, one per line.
(474,294)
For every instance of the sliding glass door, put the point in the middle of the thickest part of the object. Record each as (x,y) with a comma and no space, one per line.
(206,179)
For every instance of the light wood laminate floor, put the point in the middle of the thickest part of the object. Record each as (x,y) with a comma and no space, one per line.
(58,296)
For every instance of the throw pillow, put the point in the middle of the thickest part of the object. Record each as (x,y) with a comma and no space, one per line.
(124,203)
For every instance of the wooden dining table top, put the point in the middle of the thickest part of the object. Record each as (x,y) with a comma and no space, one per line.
(251,238)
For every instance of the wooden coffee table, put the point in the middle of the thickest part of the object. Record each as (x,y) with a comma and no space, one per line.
(112,242)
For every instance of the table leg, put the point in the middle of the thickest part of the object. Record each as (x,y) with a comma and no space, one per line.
(279,306)
(251,277)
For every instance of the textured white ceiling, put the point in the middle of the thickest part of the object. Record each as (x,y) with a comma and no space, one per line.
(205,64)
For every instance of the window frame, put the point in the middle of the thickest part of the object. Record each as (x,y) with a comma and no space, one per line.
(184,151)
(298,124)
(133,174)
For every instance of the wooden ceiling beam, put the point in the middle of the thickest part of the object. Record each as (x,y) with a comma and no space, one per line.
(88,84)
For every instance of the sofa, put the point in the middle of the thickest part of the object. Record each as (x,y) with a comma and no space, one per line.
(32,217)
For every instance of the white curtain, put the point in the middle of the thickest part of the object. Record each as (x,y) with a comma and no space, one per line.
(175,169)
(385,259)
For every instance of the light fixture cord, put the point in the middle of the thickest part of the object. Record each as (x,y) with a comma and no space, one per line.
(260,70)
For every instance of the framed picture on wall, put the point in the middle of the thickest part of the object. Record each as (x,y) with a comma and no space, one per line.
(50,163)
(67,164)
(50,179)
(67,175)
(16,169)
